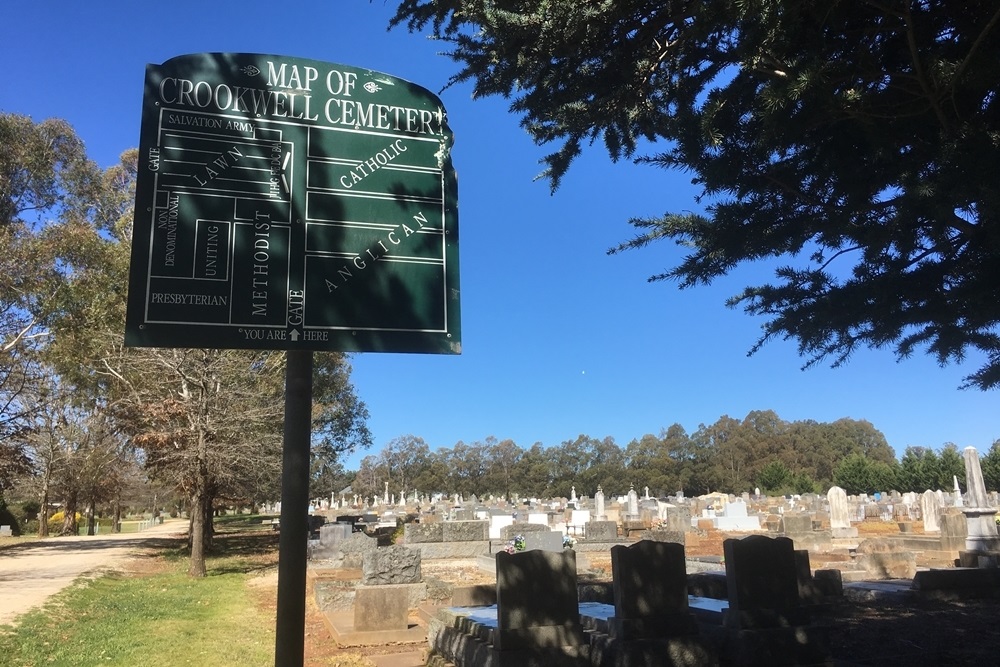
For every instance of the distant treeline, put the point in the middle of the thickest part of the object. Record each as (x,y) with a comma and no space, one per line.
(761,451)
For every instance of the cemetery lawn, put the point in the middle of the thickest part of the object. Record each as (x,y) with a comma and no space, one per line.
(154,614)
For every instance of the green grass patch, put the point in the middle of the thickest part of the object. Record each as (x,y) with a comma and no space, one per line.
(163,619)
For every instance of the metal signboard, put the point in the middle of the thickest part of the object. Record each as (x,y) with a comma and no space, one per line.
(285,203)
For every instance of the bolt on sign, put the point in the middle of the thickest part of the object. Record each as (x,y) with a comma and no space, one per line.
(285,203)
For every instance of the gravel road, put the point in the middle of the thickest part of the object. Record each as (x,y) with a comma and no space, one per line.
(30,572)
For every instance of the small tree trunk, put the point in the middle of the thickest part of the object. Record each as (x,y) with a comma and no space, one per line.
(116,521)
(70,525)
(208,526)
(196,533)
(43,512)
(91,518)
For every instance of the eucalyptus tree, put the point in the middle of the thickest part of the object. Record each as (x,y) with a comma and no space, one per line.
(852,145)
(45,180)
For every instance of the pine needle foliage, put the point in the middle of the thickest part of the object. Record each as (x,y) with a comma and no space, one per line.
(852,143)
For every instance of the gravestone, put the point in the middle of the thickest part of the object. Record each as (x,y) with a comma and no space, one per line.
(538,606)
(795,524)
(599,512)
(602,531)
(331,535)
(953,529)
(396,564)
(980,518)
(765,619)
(762,582)
(840,520)
(465,531)
(423,533)
(522,529)
(545,540)
(734,517)
(6,531)
(632,512)
(675,518)
(930,507)
(349,552)
(380,608)
(650,591)
(882,559)
(497,523)
(662,534)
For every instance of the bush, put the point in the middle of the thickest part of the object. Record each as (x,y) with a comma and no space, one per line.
(56,520)
(30,509)
(7,518)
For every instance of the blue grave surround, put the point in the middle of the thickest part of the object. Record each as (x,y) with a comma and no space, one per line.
(594,616)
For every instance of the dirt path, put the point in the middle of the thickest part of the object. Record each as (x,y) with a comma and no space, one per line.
(30,572)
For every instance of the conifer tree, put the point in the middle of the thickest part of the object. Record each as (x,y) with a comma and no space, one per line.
(854,144)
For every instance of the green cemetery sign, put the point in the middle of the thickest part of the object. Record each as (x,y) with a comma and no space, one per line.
(292,204)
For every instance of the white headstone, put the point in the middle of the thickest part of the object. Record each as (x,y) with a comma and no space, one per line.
(599,504)
(974,483)
(930,505)
(958,492)
(839,516)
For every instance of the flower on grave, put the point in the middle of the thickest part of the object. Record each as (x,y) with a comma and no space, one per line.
(516,544)
(568,542)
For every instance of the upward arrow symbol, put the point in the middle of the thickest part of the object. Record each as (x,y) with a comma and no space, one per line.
(294,335)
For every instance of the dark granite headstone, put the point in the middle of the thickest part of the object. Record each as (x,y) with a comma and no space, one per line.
(762,581)
(537,601)
(650,591)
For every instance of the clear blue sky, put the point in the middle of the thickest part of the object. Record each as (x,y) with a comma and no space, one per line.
(559,339)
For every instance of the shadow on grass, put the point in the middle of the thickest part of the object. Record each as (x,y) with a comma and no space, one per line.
(243,552)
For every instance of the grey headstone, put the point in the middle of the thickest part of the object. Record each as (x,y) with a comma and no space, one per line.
(954,530)
(521,528)
(664,535)
(331,534)
(601,531)
(544,540)
(391,565)
(881,559)
(677,519)
(795,524)
(6,531)
(380,608)
(423,533)
(351,550)
(465,531)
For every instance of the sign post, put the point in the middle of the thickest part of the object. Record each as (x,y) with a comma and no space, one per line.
(292,204)
(290,623)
